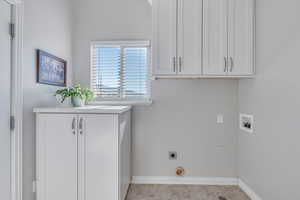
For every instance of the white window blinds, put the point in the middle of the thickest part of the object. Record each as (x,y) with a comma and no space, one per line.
(120,70)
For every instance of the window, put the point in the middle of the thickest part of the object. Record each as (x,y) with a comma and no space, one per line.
(120,70)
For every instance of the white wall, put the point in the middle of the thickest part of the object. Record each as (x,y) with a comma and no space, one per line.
(183,116)
(47,25)
(269,159)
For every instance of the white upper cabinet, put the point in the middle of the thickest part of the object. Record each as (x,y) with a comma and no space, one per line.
(203,38)
(241,37)
(177,37)
(215,37)
(165,26)
(189,37)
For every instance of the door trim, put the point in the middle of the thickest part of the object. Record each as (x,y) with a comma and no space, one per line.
(14,2)
(17,100)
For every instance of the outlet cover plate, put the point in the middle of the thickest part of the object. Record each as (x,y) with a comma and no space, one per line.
(220,118)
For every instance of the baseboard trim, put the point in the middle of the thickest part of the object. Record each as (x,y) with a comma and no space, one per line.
(184,180)
(248,190)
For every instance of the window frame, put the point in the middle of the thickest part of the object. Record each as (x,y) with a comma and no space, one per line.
(124,44)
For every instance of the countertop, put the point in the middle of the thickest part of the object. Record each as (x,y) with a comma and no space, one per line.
(84,110)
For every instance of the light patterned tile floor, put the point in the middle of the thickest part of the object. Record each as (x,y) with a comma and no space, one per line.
(185,192)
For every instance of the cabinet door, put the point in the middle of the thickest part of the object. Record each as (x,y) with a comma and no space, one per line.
(189,37)
(241,37)
(215,37)
(98,157)
(56,157)
(164,45)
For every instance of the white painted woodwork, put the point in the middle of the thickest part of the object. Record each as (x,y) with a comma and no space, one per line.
(165,33)
(189,37)
(99,144)
(14,2)
(101,167)
(214,37)
(5,99)
(125,153)
(187,180)
(241,37)
(219,45)
(17,101)
(56,157)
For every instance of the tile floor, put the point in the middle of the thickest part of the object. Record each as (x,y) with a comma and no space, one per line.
(185,192)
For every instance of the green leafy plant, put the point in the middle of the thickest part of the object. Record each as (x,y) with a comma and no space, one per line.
(76,91)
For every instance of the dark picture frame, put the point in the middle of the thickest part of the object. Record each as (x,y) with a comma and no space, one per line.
(51,70)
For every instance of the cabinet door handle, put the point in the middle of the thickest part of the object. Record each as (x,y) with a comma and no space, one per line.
(174,64)
(225,64)
(81,126)
(73,126)
(180,64)
(231,64)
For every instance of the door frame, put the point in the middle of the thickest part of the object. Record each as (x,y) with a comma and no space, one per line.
(17,100)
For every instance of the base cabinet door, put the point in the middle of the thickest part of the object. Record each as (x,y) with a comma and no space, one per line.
(98,157)
(56,157)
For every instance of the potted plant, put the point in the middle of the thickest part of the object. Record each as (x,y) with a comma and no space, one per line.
(78,95)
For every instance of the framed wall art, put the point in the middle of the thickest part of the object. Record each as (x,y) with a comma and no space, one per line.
(51,70)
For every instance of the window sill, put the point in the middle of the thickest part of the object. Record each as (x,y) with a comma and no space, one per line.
(141,102)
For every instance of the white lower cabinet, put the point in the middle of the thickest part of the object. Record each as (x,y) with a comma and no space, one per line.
(83,156)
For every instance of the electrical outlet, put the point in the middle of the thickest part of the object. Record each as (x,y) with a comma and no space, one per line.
(220,119)
(172,155)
